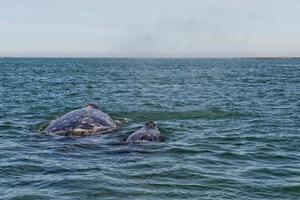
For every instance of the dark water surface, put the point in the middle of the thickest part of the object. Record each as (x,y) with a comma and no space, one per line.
(232,129)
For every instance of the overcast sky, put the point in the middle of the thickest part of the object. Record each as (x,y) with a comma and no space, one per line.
(149,28)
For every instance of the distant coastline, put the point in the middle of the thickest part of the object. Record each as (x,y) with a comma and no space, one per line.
(275,58)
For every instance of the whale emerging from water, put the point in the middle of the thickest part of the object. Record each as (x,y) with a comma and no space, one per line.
(148,133)
(88,120)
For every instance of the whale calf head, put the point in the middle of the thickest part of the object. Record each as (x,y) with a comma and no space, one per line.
(148,133)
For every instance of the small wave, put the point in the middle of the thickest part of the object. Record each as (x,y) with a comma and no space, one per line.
(270,172)
(290,189)
(8,125)
(212,113)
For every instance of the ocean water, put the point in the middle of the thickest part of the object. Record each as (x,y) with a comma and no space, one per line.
(232,129)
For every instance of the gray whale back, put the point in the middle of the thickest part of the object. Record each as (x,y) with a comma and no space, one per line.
(84,121)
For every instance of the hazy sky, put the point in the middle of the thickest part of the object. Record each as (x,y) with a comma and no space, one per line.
(150,28)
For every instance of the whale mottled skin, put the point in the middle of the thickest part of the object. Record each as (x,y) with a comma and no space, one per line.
(148,133)
(88,120)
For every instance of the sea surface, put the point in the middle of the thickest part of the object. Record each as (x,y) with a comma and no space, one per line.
(232,129)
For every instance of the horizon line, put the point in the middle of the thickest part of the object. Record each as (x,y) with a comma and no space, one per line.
(128,57)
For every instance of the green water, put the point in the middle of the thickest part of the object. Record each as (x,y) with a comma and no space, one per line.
(232,129)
